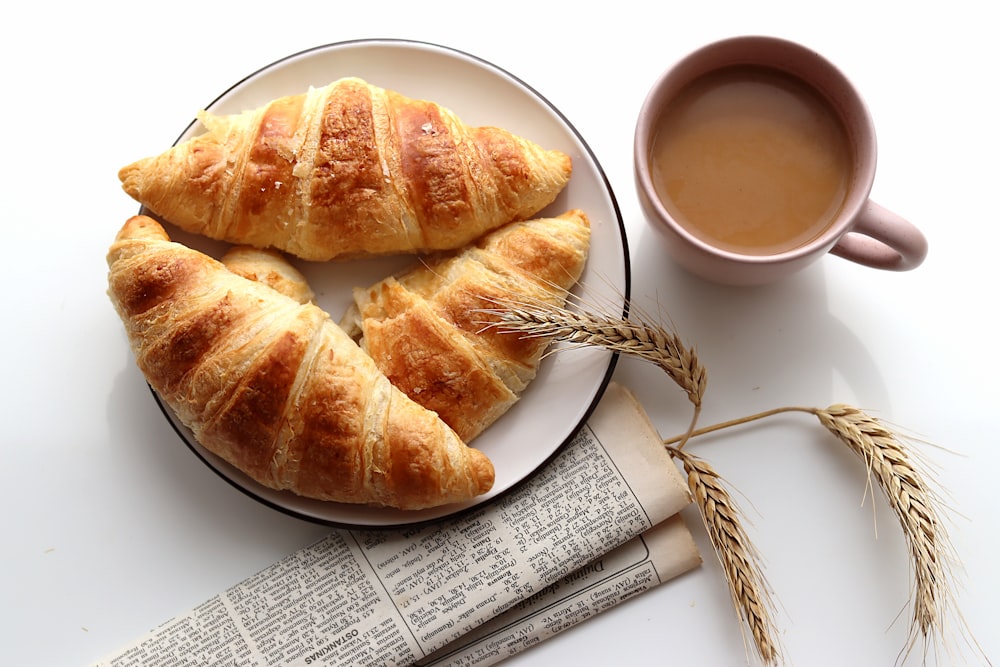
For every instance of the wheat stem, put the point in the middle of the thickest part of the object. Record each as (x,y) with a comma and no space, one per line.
(705,430)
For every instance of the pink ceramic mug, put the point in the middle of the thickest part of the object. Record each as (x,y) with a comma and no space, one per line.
(861,230)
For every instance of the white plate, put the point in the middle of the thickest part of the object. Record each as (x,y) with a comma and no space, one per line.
(569,383)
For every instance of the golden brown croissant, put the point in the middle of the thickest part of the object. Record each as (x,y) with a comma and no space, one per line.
(426,330)
(347,170)
(275,387)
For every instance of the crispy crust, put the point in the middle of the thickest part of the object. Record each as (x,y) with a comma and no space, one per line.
(426,329)
(347,170)
(275,388)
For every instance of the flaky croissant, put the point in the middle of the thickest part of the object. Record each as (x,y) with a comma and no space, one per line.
(347,170)
(276,388)
(427,331)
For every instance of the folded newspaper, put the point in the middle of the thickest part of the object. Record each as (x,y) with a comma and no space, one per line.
(596,526)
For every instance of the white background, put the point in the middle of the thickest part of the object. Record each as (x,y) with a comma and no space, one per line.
(113,526)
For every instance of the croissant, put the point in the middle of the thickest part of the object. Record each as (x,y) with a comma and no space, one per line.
(275,387)
(347,170)
(427,331)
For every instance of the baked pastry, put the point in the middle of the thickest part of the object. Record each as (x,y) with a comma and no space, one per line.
(347,170)
(427,331)
(275,387)
(269,267)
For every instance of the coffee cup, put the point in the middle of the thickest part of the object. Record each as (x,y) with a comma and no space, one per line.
(754,157)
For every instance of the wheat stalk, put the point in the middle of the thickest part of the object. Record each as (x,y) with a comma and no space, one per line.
(739,559)
(634,336)
(639,337)
(910,495)
(884,454)
(914,504)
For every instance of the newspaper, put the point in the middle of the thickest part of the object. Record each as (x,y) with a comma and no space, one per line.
(658,555)
(595,526)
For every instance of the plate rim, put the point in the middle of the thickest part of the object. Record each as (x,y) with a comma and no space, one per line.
(613,356)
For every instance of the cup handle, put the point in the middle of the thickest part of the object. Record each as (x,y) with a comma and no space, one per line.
(882,239)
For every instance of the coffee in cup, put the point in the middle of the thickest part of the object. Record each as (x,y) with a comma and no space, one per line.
(755,156)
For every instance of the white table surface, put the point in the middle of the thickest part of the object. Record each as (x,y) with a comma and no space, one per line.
(114,526)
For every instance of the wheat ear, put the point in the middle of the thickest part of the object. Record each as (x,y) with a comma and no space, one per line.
(739,559)
(632,335)
(914,504)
